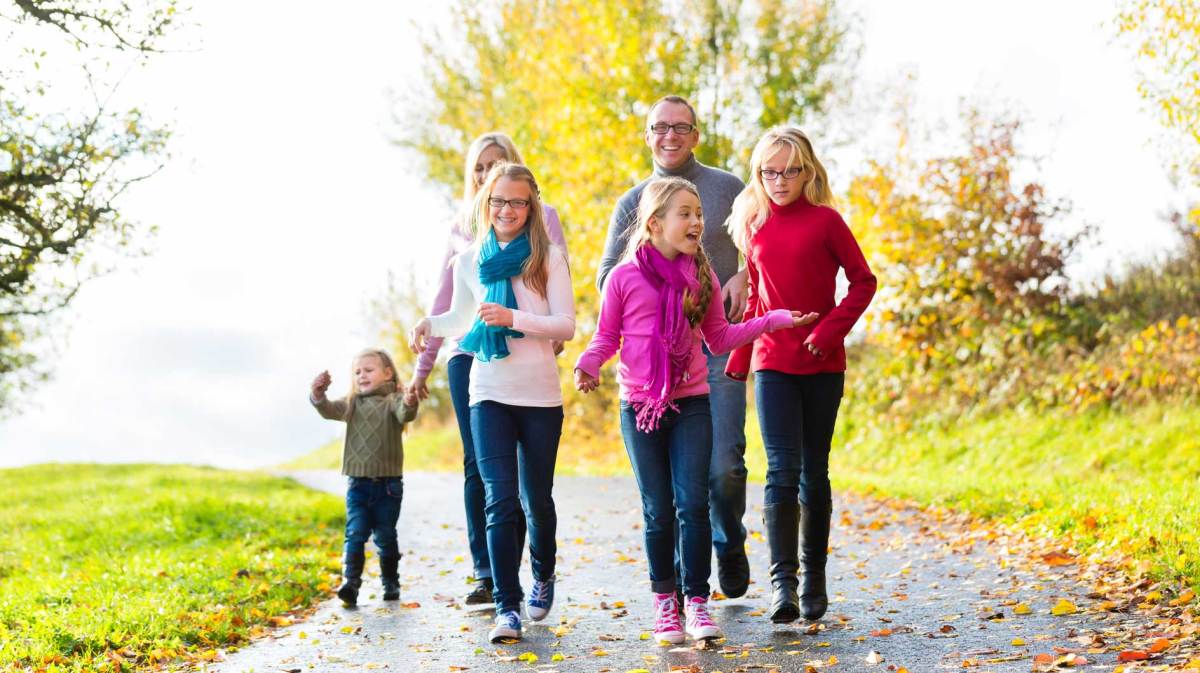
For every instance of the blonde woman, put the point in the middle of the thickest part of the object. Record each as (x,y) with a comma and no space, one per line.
(659,305)
(794,243)
(484,152)
(512,301)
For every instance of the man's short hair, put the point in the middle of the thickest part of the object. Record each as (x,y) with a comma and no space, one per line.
(678,100)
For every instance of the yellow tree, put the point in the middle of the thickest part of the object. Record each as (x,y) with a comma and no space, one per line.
(571,81)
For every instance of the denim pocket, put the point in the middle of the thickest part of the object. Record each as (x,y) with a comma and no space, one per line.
(395,488)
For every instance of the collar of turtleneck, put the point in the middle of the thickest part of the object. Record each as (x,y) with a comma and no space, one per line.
(686,170)
(791,208)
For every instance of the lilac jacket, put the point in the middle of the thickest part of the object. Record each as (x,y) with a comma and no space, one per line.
(457,242)
(628,312)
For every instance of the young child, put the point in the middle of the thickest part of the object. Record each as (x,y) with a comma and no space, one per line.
(375,412)
(794,243)
(658,304)
(513,299)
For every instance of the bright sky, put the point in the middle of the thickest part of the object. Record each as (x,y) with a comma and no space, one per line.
(285,207)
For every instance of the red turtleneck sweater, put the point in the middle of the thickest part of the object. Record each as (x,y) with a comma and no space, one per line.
(793,261)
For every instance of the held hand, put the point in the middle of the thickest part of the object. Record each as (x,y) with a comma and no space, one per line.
(320,384)
(410,397)
(495,315)
(735,292)
(585,382)
(557,346)
(417,387)
(799,318)
(812,348)
(418,336)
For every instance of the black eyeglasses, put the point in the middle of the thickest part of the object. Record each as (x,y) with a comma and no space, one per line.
(517,204)
(661,128)
(789,173)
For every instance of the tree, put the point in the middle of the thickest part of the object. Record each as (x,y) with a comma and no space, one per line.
(62,173)
(571,81)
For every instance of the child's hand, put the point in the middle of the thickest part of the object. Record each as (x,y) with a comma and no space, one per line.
(495,315)
(418,336)
(410,398)
(585,382)
(417,385)
(799,318)
(557,346)
(812,348)
(320,384)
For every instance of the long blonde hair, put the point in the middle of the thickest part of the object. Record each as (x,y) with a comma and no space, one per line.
(534,272)
(656,197)
(751,207)
(384,359)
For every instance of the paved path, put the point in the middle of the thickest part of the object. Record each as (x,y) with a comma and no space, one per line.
(914,590)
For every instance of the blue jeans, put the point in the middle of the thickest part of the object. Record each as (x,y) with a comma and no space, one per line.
(372,509)
(671,468)
(458,371)
(727,471)
(797,413)
(501,433)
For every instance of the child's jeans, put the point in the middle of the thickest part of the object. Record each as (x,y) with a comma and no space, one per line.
(797,414)
(671,467)
(373,508)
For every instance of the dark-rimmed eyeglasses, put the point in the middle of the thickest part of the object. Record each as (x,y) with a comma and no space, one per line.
(517,204)
(788,173)
(661,128)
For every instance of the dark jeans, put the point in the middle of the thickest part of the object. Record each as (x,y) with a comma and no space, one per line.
(372,509)
(797,413)
(458,371)
(501,432)
(727,471)
(671,468)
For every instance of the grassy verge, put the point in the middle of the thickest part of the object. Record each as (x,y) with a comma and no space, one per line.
(1100,480)
(118,567)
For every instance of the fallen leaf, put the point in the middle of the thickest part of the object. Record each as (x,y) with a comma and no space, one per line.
(1021,609)
(1185,597)
(874,658)
(1132,655)
(1057,558)
(1018,642)
(1159,645)
(1063,607)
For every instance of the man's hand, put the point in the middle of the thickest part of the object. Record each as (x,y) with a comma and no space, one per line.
(735,293)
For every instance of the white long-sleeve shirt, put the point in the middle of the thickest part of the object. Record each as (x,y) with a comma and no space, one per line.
(528,377)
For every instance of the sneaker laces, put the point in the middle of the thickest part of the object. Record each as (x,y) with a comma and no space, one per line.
(666,617)
(508,620)
(540,593)
(698,612)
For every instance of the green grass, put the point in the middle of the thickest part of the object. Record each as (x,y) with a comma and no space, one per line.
(112,567)
(1104,480)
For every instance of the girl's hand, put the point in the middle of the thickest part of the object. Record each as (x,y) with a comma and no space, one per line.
(418,336)
(799,318)
(495,315)
(585,382)
(557,346)
(410,397)
(320,384)
(812,348)
(417,386)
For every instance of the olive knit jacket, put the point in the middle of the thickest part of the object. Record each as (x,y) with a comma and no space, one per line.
(374,445)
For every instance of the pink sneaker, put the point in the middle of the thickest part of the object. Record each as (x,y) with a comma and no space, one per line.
(666,619)
(699,624)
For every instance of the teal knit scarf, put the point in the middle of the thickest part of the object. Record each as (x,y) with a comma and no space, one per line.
(496,269)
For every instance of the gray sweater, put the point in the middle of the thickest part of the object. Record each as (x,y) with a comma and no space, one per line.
(717,192)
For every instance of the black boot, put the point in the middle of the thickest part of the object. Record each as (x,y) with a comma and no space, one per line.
(389,574)
(733,572)
(783,530)
(352,567)
(814,546)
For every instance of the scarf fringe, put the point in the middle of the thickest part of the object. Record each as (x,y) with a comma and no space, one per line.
(650,411)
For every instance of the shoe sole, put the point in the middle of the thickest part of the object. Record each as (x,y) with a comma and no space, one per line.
(535,617)
(675,638)
(506,634)
(705,634)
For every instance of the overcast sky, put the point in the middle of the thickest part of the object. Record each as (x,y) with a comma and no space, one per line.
(285,207)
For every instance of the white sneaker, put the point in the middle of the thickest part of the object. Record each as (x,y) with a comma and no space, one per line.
(699,624)
(541,599)
(508,626)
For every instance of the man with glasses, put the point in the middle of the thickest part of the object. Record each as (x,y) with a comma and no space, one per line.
(672,134)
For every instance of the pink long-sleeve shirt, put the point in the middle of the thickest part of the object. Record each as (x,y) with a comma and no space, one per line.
(456,243)
(628,312)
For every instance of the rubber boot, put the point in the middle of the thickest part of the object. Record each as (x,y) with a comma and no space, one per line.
(814,546)
(782,521)
(352,568)
(389,574)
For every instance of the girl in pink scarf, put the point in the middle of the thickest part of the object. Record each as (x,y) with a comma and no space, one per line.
(658,306)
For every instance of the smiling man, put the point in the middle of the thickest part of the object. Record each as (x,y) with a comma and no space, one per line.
(672,134)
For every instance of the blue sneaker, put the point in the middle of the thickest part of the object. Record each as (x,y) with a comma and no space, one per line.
(541,599)
(508,627)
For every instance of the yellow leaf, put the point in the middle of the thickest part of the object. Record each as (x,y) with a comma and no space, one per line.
(1018,642)
(1063,607)
(556,657)
(1185,597)
(347,629)
(1021,609)
(528,657)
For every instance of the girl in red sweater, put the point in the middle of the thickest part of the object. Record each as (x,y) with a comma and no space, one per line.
(794,243)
